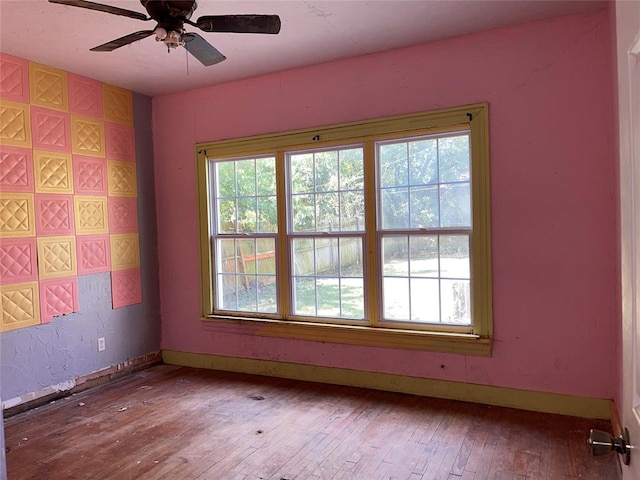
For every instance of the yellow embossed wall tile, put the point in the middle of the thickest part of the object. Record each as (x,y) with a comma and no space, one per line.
(17,215)
(53,172)
(118,105)
(91,215)
(125,251)
(87,136)
(121,178)
(15,124)
(20,305)
(57,257)
(48,87)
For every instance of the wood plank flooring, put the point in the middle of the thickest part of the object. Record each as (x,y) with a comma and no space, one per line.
(173,423)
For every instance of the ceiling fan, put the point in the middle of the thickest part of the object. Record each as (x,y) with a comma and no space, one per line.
(171,16)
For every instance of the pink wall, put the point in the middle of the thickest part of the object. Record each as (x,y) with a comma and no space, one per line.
(549,86)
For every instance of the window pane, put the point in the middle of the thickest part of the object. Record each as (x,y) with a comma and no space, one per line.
(327,206)
(352,295)
(424,256)
(246,177)
(454,256)
(327,191)
(266,176)
(267,215)
(395,208)
(395,256)
(424,207)
(327,277)
(394,163)
(455,205)
(423,162)
(227,215)
(247,215)
(425,300)
(455,298)
(395,298)
(303,257)
(245,275)
(302,173)
(454,158)
(304,213)
(304,294)
(326,171)
(225,174)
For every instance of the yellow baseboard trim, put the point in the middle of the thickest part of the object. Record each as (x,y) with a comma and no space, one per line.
(586,407)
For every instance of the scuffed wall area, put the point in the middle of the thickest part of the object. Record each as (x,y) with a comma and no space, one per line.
(51,356)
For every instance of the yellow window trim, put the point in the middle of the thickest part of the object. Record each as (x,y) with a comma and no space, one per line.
(471,117)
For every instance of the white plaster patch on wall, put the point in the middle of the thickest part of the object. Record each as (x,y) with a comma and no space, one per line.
(60,387)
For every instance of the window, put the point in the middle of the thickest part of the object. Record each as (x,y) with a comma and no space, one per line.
(374,233)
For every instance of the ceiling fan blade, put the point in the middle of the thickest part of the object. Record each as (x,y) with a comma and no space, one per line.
(239,23)
(206,53)
(102,8)
(122,41)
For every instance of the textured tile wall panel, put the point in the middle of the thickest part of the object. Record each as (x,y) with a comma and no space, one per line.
(125,251)
(118,105)
(94,254)
(17,215)
(57,257)
(85,96)
(122,178)
(91,215)
(123,215)
(48,87)
(16,169)
(87,136)
(58,297)
(18,260)
(119,142)
(50,130)
(126,287)
(53,172)
(14,78)
(15,124)
(19,306)
(54,215)
(89,175)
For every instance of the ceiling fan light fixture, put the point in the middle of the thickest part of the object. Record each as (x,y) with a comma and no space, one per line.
(161,34)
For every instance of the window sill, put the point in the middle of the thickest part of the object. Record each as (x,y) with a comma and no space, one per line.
(460,343)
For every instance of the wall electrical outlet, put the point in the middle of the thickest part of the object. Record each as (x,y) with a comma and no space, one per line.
(101,344)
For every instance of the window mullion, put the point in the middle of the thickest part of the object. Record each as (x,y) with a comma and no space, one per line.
(372,273)
(283,244)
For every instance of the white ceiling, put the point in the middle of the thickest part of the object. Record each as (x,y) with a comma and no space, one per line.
(313,31)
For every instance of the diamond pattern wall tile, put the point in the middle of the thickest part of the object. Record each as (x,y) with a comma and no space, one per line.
(57,257)
(91,215)
(126,287)
(123,215)
(50,129)
(122,178)
(16,169)
(20,306)
(17,218)
(14,78)
(118,105)
(87,136)
(125,251)
(120,142)
(94,254)
(53,172)
(54,215)
(85,96)
(58,297)
(18,261)
(15,124)
(48,87)
(90,175)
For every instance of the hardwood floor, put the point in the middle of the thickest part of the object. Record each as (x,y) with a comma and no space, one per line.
(171,423)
